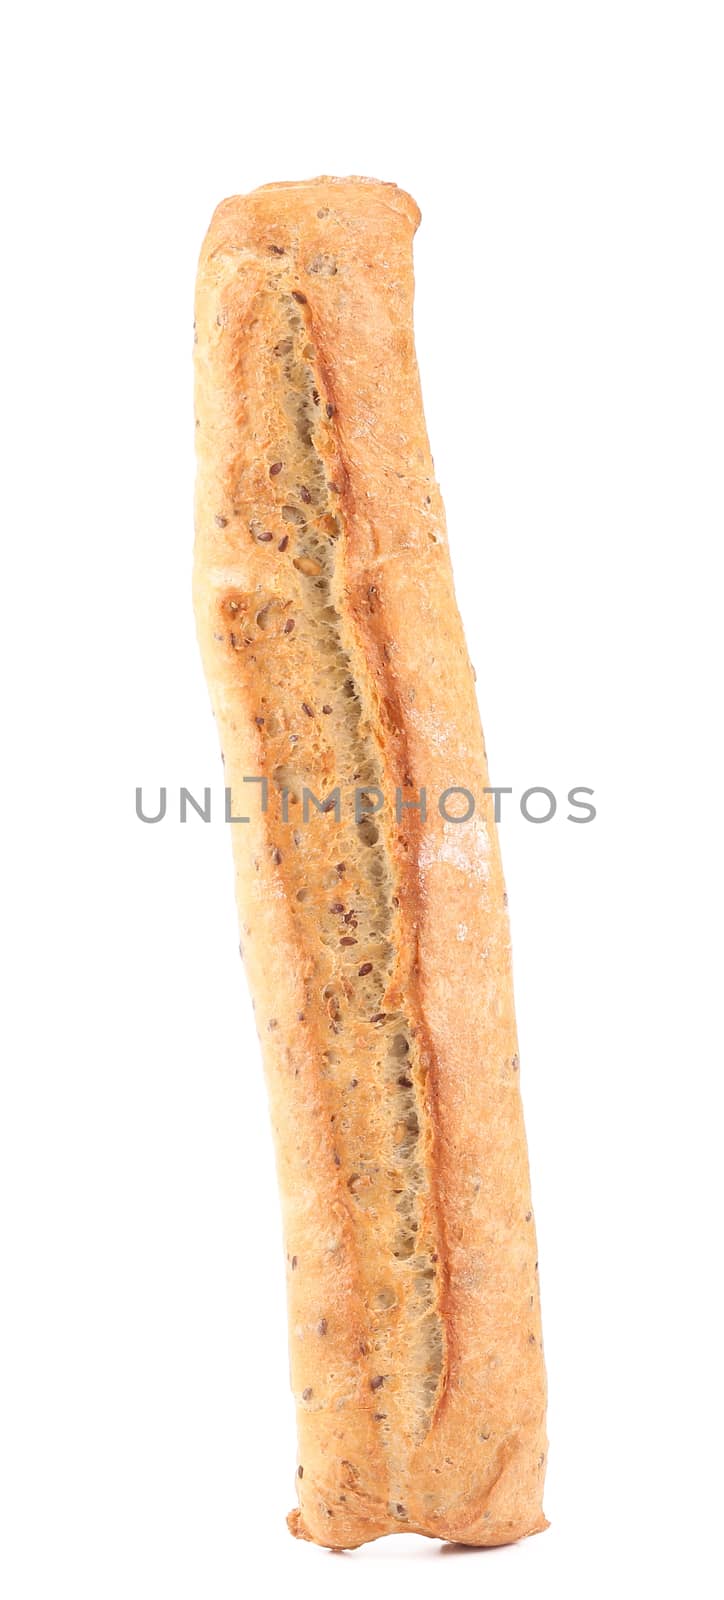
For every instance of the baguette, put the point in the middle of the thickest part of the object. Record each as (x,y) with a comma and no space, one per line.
(375,937)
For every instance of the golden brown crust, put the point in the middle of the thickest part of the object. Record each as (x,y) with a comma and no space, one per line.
(334,651)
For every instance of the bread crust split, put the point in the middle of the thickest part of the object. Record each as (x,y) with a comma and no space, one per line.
(377,948)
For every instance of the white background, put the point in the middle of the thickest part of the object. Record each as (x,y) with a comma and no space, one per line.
(570,277)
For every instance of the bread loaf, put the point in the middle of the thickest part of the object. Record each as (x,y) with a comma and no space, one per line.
(374,932)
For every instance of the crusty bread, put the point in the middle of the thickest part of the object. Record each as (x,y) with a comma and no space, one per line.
(376,942)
